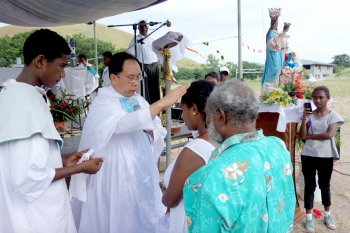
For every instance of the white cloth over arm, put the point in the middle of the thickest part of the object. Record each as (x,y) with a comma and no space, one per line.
(75,81)
(124,196)
(91,82)
(177,52)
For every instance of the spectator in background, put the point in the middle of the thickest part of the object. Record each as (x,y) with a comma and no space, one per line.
(212,77)
(319,150)
(106,56)
(224,72)
(91,78)
(83,60)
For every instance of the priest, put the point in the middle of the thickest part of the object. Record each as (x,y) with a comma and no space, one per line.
(125,195)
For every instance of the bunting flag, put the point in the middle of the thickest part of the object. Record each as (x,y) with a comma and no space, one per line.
(223,62)
(252,49)
(195,51)
(220,54)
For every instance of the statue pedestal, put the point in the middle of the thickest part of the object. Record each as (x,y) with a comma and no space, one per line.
(268,122)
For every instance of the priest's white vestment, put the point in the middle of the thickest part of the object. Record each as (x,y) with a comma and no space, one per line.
(124,196)
(29,154)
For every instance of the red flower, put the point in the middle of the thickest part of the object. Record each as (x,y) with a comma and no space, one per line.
(71,110)
(299,95)
(52,96)
(63,105)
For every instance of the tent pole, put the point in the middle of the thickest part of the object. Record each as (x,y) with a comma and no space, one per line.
(95,45)
(239,41)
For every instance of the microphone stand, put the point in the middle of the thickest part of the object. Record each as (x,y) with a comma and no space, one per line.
(142,63)
(134,26)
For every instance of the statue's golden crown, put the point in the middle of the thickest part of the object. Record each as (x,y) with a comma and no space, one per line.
(274,13)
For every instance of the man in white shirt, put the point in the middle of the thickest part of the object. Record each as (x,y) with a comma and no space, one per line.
(33,191)
(91,77)
(106,56)
(83,60)
(145,55)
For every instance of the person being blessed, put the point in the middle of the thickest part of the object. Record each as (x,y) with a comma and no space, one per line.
(274,59)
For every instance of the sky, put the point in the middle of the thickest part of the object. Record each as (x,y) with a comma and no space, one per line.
(319,29)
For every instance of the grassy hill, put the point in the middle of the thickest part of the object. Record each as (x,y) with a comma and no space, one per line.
(117,37)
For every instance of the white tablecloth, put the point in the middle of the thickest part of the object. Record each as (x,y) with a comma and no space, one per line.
(287,114)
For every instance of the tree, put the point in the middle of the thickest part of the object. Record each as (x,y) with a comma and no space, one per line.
(12,47)
(198,74)
(232,67)
(341,60)
(251,65)
(212,63)
(184,74)
(85,46)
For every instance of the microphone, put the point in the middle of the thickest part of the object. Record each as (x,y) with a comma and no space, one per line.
(153,23)
(137,107)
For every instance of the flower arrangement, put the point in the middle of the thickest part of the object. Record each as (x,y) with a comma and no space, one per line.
(307,92)
(278,97)
(66,107)
(290,79)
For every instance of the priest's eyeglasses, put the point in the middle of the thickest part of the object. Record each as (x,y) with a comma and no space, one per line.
(131,79)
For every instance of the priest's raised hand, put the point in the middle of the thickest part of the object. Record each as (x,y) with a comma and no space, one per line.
(168,100)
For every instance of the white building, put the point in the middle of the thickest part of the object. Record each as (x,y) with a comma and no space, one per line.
(317,69)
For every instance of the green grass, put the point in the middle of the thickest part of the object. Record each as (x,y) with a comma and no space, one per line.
(339,85)
(254,84)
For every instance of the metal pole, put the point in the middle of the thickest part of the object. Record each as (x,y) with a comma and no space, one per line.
(95,44)
(239,41)
(168,127)
(264,38)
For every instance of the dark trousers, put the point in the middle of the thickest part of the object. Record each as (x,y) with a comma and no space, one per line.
(324,167)
(151,83)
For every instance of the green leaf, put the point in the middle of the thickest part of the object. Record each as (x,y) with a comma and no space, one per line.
(66,115)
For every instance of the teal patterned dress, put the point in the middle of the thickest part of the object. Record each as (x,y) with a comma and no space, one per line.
(247,186)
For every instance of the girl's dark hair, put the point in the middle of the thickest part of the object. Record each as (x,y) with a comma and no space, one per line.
(324,89)
(115,65)
(197,94)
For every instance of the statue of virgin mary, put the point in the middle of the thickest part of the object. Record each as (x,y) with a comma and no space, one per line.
(274,52)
